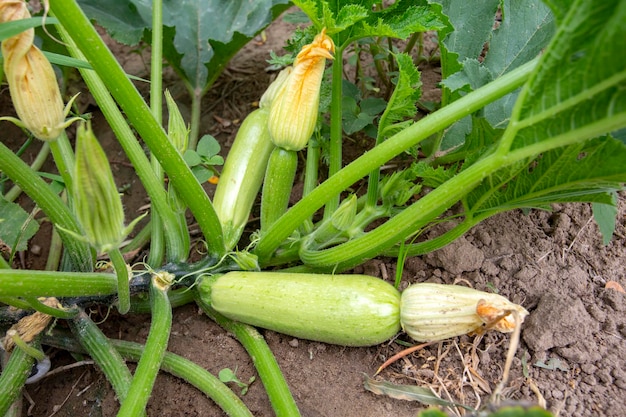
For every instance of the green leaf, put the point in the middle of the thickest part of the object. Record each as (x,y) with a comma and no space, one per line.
(350,20)
(559,7)
(432,177)
(16,226)
(208,146)
(401,106)
(203,34)
(605,216)
(124,20)
(192,158)
(467,32)
(201,173)
(400,20)
(587,58)
(525,29)
(585,172)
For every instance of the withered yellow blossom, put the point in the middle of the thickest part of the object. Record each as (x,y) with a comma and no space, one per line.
(431,312)
(32,81)
(293,112)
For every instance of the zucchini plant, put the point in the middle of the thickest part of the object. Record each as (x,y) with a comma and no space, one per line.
(536,118)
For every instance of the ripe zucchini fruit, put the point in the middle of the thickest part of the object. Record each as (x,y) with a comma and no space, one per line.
(348,310)
(242,175)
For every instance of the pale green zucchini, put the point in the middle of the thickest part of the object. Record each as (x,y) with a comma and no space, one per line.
(349,310)
(279,177)
(242,175)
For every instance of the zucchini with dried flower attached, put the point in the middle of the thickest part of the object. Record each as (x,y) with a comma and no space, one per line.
(355,310)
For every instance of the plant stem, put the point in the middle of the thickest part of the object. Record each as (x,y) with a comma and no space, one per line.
(13,377)
(194,374)
(51,311)
(173,364)
(311,175)
(392,147)
(123,289)
(194,132)
(64,159)
(30,283)
(50,203)
(41,157)
(277,389)
(103,353)
(156,345)
(336,129)
(55,249)
(177,298)
(139,240)
(407,222)
(102,60)
(157,250)
(134,151)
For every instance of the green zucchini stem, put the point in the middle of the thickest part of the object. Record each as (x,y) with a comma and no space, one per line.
(50,203)
(194,374)
(272,378)
(13,377)
(154,187)
(88,40)
(156,345)
(123,289)
(173,364)
(392,147)
(157,238)
(103,353)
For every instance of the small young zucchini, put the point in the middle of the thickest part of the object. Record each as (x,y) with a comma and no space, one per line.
(242,175)
(348,310)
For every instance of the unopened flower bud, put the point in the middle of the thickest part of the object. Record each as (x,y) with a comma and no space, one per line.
(345,214)
(97,201)
(295,107)
(270,94)
(32,81)
(431,312)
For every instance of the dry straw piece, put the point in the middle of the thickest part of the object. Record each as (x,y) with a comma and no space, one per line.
(30,326)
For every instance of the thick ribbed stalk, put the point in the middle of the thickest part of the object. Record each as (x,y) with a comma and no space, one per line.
(59,214)
(194,374)
(41,157)
(123,289)
(134,151)
(104,63)
(336,129)
(13,377)
(103,353)
(157,248)
(25,283)
(173,364)
(277,389)
(392,147)
(63,158)
(156,345)
(281,171)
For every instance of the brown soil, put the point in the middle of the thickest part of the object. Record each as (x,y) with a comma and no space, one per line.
(553,263)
